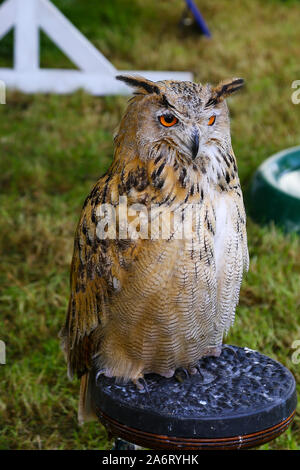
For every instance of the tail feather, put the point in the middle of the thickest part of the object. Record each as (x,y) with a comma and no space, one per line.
(86,411)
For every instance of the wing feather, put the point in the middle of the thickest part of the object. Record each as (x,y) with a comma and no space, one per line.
(91,282)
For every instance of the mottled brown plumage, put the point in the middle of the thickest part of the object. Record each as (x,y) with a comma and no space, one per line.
(153,305)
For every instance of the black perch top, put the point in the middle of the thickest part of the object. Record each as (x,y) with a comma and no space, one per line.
(240,397)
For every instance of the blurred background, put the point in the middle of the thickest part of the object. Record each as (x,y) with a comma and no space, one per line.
(54,148)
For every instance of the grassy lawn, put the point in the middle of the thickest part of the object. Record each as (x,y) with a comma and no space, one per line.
(53,149)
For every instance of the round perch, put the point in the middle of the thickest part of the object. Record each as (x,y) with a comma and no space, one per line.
(240,399)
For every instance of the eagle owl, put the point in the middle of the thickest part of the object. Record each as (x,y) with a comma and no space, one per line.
(143,305)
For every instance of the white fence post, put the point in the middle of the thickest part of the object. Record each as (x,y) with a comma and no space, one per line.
(26,46)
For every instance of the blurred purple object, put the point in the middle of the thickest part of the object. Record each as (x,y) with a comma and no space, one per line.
(198,17)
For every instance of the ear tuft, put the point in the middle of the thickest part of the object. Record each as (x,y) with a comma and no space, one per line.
(139,82)
(224,89)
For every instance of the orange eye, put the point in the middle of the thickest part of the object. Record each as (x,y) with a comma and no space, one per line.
(211,120)
(168,120)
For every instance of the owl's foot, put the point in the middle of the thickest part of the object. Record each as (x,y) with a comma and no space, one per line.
(140,383)
(168,374)
(184,372)
(216,352)
(193,370)
(231,348)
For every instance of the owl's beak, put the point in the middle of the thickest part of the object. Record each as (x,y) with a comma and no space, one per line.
(195,142)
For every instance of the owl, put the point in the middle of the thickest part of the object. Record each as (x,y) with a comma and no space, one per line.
(150,303)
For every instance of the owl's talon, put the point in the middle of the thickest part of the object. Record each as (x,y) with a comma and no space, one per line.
(191,370)
(100,372)
(231,348)
(144,384)
(141,387)
(104,372)
(178,376)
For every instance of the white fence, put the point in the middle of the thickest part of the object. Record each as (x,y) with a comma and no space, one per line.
(96,74)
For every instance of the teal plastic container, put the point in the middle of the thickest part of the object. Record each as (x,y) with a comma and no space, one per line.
(274,194)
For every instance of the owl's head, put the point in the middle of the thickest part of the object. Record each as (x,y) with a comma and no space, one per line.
(186,116)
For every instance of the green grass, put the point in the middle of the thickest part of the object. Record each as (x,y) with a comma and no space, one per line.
(53,148)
